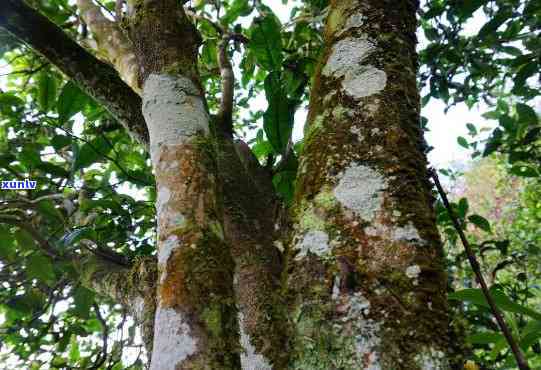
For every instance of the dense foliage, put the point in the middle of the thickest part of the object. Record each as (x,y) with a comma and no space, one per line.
(96,193)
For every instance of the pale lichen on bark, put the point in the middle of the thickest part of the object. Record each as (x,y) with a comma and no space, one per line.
(173,341)
(173,109)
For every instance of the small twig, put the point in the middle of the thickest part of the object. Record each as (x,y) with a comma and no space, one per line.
(517,352)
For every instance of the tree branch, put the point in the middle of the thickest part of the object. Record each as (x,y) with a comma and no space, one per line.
(225,114)
(111,42)
(96,78)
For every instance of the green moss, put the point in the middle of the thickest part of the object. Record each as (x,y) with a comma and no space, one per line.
(212,316)
(308,220)
(326,199)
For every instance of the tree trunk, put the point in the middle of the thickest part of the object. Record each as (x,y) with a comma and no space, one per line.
(367,279)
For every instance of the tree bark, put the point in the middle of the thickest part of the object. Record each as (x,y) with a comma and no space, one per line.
(367,281)
(196,318)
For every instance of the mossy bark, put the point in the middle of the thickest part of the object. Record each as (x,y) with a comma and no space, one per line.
(367,283)
(250,208)
(196,316)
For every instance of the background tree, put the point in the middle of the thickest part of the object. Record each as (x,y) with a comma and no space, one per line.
(163,214)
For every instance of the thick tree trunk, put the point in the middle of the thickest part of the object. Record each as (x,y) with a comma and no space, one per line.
(367,281)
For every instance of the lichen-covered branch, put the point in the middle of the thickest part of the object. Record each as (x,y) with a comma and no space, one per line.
(95,77)
(111,42)
(132,287)
(367,281)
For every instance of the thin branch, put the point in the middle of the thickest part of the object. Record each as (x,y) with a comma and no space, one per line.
(517,352)
(225,114)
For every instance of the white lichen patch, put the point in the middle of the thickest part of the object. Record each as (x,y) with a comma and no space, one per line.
(360,190)
(346,56)
(413,271)
(164,195)
(174,111)
(406,233)
(339,112)
(346,61)
(138,308)
(432,359)
(166,249)
(315,242)
(354,21)
(173,342)
(365,331)
(249,358)
(365,82)
(177,220)
(357,132)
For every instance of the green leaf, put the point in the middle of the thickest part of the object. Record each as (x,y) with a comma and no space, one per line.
(40,267)
(46,91)
(472,129)
(531,334)
(278,119)
(60,141)
(236,9)
(463,207)
(463,142)
(9,101)
(24,240)
(524,171)
(496,21)
(523,74)
(74,354)
(526,115)
(7,244)
(476,297)
(82,300)
(71,101)
(266,42)
(91,152)
(480,222)
(485,338)
(48,209)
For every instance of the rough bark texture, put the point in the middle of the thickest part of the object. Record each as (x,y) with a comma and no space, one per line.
(96,78)
(196,319)
(366,279)
(249,222)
